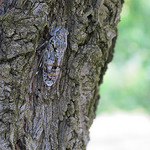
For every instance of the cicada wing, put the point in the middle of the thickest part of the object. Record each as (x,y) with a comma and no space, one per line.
(50,66)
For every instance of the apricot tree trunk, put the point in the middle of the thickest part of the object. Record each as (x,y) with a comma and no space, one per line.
(33,116)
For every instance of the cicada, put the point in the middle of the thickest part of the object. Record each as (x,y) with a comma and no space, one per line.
(53,55)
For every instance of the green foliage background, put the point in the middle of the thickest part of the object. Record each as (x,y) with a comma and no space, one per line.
(126,85)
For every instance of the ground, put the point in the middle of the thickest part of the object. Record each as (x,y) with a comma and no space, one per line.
(120,131)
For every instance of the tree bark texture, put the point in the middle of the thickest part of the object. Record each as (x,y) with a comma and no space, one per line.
(32,116)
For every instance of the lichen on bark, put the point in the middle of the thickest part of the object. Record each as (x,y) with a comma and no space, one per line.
(31,115)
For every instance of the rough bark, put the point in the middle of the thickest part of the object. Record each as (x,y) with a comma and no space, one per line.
(33,117)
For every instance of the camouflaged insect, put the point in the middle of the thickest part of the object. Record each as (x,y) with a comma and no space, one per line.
(53,55)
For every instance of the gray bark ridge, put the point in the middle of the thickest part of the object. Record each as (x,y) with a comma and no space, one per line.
(32,116)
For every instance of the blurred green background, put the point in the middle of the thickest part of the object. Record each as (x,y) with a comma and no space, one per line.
(126,84)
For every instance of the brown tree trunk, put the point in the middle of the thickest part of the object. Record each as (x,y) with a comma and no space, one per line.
(33,116)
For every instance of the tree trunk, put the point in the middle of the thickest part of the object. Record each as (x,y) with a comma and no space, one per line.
(33,116)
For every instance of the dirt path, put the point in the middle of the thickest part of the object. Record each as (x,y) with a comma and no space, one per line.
(120,131)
